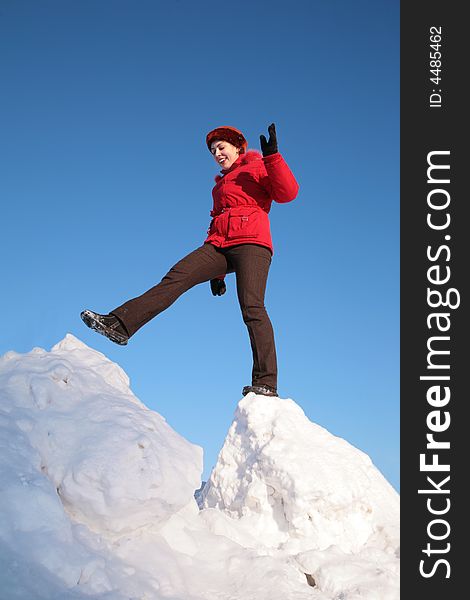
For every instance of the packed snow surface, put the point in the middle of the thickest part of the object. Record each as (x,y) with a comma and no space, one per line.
(97,497)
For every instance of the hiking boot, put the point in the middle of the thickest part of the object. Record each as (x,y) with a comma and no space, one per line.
(262,390)
(108,325)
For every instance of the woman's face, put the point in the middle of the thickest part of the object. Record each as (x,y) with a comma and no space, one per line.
(224,153)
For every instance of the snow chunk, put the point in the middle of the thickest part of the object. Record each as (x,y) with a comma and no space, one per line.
(294,485)
(116,465)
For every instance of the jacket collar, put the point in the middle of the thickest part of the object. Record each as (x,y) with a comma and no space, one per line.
(243,159)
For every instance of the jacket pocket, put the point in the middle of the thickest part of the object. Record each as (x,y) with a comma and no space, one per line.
(243,222)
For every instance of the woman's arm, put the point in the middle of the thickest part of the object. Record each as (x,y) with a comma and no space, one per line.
(276,177)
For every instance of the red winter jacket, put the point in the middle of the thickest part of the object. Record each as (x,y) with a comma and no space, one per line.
(243,197)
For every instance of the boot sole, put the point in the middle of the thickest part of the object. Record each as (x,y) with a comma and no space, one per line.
(90,321)
(247,390)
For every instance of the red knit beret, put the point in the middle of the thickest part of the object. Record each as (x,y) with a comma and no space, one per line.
(227,134)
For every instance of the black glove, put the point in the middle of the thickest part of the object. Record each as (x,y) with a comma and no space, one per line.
(218,287)
(270,146)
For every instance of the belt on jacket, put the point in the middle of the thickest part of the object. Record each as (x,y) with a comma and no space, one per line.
(213,213)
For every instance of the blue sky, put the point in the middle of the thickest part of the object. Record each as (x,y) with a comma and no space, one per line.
(106,183)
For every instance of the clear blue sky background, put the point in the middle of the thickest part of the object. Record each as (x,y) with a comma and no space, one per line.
(106,182)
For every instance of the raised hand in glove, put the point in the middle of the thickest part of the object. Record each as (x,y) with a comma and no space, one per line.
(270,146)
(218,287)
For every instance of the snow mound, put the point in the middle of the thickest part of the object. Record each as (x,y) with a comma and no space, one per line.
(97,497)
(296,486)
(116,465)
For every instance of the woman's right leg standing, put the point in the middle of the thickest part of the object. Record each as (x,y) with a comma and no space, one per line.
(251,264)
(203,264)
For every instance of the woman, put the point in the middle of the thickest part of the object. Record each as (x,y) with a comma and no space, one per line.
(238,240)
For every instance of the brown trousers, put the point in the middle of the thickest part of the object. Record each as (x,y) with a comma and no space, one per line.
(250,263)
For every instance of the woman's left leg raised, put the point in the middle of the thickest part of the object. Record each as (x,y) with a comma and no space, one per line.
(203,264)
